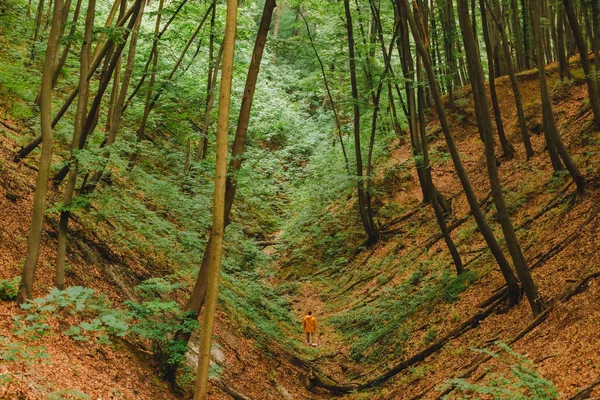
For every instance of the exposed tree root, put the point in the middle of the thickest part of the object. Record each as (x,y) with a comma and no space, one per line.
(586,391)
(229,390)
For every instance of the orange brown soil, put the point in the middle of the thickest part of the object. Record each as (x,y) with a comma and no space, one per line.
(565,346)
(123,370)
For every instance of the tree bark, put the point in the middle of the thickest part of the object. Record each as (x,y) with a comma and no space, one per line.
(513,81)
(366,215)
(196,300)
(218,225)
(514,290)
(484,123)
(78,127)
(39,199)
(490,47)
(590,78)
(106,48)
(553,138)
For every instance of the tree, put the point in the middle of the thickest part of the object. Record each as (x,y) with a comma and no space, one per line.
(39,199)
(484,123)
(556,147)
(218,224)
(365,210)
(590,76)
(513,288)
(196,299)
(80,115)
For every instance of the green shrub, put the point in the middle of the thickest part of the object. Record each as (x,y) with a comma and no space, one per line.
(522,382)
(9,288)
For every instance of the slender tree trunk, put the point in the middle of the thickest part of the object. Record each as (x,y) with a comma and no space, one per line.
(512,285)
(196,300)
(210,90)
(513,82)
(338,124)
(490,47)
(106,49)
(109,20)
(563,62)
(39,199)
(79,121)
(484,123)
(38,24)
(590,78)
(148,104)
(218,225)
(553,138)
(364,209)
(138,86)
(105,78)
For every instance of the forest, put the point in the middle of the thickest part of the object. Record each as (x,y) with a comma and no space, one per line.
(299,199)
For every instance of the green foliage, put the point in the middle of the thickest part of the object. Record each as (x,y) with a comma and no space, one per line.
(9,288)
(452,285)
(90,316)
(378,326)
(522,382)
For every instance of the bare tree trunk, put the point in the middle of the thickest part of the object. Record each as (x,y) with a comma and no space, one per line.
(512,285)
(484,123)
(366,215)
(513,81)
(38,24)
(105,78)
(338,124)
(590,78)
(490,46)
(196,300)
(553,138)
(39,199)
(218,225)
(148,104)
(106,48)
(79,121)
(213,68)
(563,63)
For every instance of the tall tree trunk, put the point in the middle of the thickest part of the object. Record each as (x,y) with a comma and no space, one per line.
(512,285)
(39,198)
(148,103)
(563,62)
(90,184)
(38,24)
(513,81)
(553,138)
(196,300)
(592,84)
(490,47)
(218,224)
(366,215)
(338,124)
(106,49)
(211,82)
(78,127)
(484,123)
(105,78)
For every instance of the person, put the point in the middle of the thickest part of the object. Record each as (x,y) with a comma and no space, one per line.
(310,327)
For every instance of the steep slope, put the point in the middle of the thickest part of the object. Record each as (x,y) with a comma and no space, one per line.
(398,299)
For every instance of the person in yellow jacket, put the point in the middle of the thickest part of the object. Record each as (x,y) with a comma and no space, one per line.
(310,327)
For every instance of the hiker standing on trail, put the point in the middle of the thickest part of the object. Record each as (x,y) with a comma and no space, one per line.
(310,327)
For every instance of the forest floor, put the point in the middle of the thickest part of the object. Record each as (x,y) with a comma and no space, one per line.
(559,232)
(121,369)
